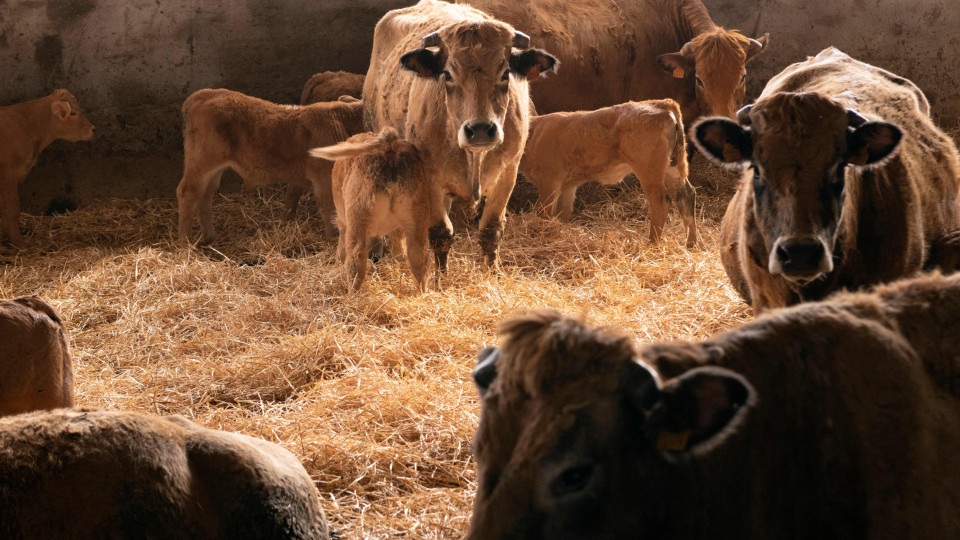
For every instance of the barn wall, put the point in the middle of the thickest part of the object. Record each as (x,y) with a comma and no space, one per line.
(131,63)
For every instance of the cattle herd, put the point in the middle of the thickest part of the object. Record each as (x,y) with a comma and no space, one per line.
(826,417)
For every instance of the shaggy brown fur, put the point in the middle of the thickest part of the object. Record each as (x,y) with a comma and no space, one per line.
(613,52)
(111,474)
(36,371)
(462,98)
(262,141)
(869,223)
(330,85)
(566,150)
(380,188)
(25,130)
(847,428)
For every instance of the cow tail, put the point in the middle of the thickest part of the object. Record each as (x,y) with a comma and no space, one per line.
(385,142)
(678,158)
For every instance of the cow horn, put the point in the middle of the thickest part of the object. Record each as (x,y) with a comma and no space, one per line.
(855,119)
(431,40)
(521,40)
(743,115)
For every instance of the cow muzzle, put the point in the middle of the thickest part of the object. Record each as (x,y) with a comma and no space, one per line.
(480,135)
(800,259)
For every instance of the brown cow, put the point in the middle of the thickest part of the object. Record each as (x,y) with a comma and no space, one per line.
(330,86)
(566,150)
(379,188)
(847,182)
(454,82)
(826,420)
(25,130)
(262,141)
(613,52)
(112,474)
(36,371)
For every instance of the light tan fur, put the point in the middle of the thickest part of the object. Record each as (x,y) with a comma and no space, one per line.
(36,371)
(111,474)
(262,141)
(380,188)
(566,150)
(25,130)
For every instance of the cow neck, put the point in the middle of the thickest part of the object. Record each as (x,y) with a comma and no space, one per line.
(34,121)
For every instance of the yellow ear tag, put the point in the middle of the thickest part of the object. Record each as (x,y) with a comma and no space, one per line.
(533,74)
(673,441)
(678,73)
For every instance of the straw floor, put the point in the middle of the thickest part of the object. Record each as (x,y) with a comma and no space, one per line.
(372,391)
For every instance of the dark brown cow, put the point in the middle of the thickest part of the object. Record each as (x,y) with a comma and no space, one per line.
(847,182)
(836,419)
(36,371)
(454,82)
(108,474)
(25,130)
(613,52)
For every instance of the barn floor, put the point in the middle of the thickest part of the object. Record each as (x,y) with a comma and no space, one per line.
(372,391)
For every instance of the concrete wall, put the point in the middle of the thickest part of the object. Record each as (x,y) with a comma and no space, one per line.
(131,63)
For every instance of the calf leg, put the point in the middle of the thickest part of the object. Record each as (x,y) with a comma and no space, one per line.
(441,240)
(416,239)
(320,172)
(685,197)
(355,251)
(10,210)
(549,194)
(206,209)
(193,190)
(494,215)
(565,203)
(292,199)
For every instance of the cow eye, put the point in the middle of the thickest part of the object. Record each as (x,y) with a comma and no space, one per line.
(743,79)
(446,76)
(757,181)
(573,480)
(699,82)
(506,76)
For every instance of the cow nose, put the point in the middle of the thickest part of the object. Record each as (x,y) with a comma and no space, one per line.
(481,133)
(801,257)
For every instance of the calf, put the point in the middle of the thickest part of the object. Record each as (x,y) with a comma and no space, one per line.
(826,420)
(262,141)
(35,367)
(25,130)
(847,182)
(566,150)
(112,474)
(380,187)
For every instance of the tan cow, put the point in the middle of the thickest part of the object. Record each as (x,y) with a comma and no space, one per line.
(379,188)
(330,86)
(25,130)
(836,419)
(847,182)
(566,150)
(262,141)
(36,371)
(110,474)
(613,52)
(455,83)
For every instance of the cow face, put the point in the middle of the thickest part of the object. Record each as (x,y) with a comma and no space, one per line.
(715,64)
(585,458)
(796,149)
(68,121)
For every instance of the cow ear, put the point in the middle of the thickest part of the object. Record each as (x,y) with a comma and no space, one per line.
(757,46)
(872,144)
(697,411)
(423,62)
(677,64)
(723,142)
(61,109)
(486,371)
(531,63)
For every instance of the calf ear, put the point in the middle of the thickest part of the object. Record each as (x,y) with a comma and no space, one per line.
(533,62)
(872,144)
(486,370)
(61,109)
(699,409)
(423,62)
(723,142)
(676,64)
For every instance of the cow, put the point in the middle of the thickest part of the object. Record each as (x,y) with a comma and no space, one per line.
(36,371)
(380,187)
(262,141)
(613,52)
(330,86)
(834,419)
(114,474)
(846,182)
(25,130)
(455,83)
(566,150)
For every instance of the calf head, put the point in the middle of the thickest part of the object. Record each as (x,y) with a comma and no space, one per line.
(715,64)
(67,120)
(797,149)
(575,435)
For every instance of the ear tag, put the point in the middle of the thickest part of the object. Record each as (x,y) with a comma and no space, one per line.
(679,73)
(673,441)
(533,74)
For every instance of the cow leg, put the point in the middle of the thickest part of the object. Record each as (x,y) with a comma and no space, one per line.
(292,199)
(320,172)
(416,240)
(685,197)
(441,240)
(10,210)
(564,205)
(549,194)
(209,234)
(494,215)
(191,192)
(657,199)
(355,261)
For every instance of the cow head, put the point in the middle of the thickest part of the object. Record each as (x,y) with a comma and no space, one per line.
(575,435)
(68,121)
(715,64)
(796,148)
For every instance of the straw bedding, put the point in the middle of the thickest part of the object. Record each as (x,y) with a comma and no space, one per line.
(373,390)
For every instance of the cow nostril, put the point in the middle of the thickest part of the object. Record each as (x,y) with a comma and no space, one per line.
(783,255)
(468,131)
(801,257)
(492,131)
